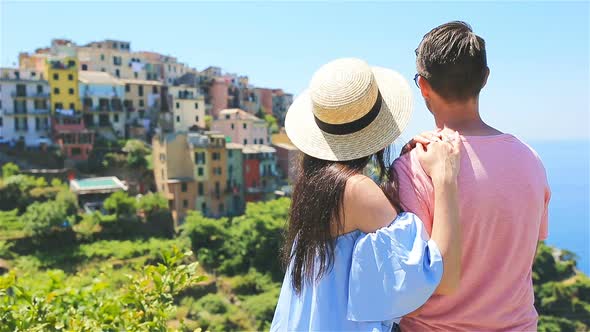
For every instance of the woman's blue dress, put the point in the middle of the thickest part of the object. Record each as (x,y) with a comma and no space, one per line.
(375,280)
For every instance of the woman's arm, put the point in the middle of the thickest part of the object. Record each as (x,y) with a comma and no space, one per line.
(441,163)
(365,206)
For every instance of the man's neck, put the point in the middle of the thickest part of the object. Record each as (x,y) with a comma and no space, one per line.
(463,117)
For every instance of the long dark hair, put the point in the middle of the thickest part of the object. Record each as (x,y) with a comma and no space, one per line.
(316,211)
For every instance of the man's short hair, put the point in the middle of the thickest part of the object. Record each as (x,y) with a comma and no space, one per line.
(453,60)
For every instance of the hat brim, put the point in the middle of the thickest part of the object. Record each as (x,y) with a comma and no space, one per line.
(393,118)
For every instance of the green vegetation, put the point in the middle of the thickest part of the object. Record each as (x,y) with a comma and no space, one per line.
(124,269)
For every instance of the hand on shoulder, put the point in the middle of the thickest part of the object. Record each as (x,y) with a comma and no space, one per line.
(365,206)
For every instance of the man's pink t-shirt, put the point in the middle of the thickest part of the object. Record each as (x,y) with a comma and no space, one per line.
(503,200)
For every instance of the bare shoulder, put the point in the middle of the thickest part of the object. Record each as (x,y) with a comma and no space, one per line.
(365,205)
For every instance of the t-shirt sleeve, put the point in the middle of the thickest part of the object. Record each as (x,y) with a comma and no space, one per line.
(393,271)
(415,188)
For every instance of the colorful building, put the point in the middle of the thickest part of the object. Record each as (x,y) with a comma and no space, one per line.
(144,100)
(24,107)
(242,127)
(218,95)
(287,159)
(234,200)
(199,144)
(102,98)
(260,172)
(173,172)
(217,156)
(188,108)
(69,129)
(281,102)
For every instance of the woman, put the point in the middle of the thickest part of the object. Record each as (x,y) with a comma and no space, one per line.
(355,260)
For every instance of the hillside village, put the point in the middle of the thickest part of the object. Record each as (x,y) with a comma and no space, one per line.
(212,141)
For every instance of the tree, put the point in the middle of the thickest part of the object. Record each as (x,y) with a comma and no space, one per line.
(120,204)
(207,236)
(271,121)
(208,121)
(136,153)
(151,203)
(40,218)
(10,169)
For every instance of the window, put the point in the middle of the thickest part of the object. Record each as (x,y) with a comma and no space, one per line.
(135,74)
(37,124)
(116,118)
(155,89)
(221,208)
(232,126)
(140,92)
(117,60)
(72,107)
(1,122)
(127,88)
(56,91)
(230,154)
(200,171)
(185,204)
(70,77)
(117,73)
(201,189)
(196,106)
(102,57)
(56,76)
(39,88)
(58,106)
(245,126)
(197,118)
(71,91)
(177,105)
(227,116)
(204,208)
(255,141)
(183,187)
(71,63)
(178,118)
(84,67)
(245,141)
(141,103)
(103,70)
(76,151)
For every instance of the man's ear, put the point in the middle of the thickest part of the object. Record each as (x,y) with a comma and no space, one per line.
(425,88)
(485,79)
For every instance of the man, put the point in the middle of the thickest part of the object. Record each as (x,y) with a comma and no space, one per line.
(503,194)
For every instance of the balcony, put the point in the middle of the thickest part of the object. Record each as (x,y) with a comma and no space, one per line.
(30,95)
(104,105)
(62,65)
(15,112)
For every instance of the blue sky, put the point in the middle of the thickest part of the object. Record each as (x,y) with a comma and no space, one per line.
(538,52)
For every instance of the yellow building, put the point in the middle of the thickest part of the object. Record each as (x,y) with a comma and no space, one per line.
(217,164)
(173,172)
(199,155)
(62,75)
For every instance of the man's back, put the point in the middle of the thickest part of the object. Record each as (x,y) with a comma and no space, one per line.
(503,197)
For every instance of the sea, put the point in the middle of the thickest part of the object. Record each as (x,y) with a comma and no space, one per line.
(568,169)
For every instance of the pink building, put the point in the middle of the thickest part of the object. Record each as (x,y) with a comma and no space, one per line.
(265,99)
(242,127)
(219,96)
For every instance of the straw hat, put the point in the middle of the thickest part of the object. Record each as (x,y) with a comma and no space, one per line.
(349,111)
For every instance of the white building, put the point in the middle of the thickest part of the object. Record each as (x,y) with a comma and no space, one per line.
(24,107)
(188,108)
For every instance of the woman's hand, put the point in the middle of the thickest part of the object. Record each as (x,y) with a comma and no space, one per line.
(424,138)
(440,159)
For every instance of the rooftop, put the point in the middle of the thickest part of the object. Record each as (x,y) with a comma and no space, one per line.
(257,148)
(108,184)
(98,77)
(136,81)
(243,115)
